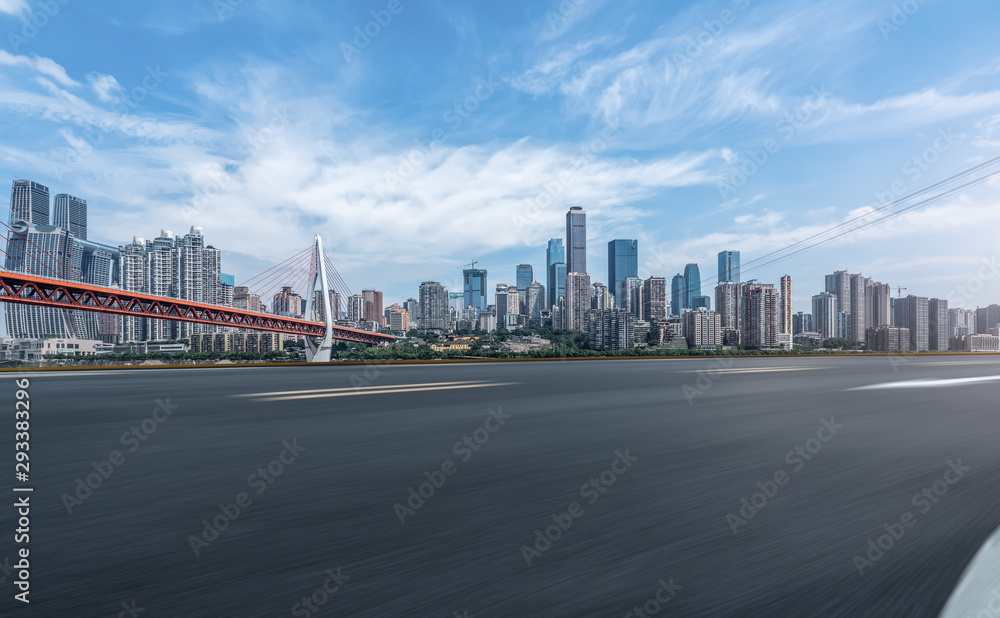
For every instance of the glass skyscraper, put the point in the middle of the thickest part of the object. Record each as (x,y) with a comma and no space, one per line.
(554,254)
(678,295)
(70,213)
(474,288)
(729,266)
(576,240)
(623,261)
(692,276)
(29,201)
(524,278)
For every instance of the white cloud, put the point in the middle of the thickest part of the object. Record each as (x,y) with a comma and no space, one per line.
(45,66)
(106,87)
(14,7)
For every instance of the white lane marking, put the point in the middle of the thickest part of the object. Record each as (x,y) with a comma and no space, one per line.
(387,391)
(978,591)
(926,383)
(752,370)
(353,388)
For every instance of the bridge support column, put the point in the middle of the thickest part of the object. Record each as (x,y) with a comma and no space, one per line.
(319,349)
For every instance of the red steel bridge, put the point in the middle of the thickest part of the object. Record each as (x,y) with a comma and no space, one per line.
(310,271)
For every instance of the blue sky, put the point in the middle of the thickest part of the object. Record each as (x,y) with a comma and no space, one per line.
(451,131)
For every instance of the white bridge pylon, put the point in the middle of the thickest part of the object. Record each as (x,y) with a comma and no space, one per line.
(319,349)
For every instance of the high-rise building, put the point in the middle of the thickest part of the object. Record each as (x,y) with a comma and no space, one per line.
(373,306)
(839,284)
(987,318)
(534,300)
(701,302)
(824,314)
(759,320)
(623,261)
(515,301)
(802,323)
(29,201)
(557,275)
(554,254)
(727,304)
(961,322)
(525,275)
(859,304)
(610,329)
(938,336)
(602,298)
(399,319)
(887,339)
(576,240)
(70,213)
(578,292)
(629,296)
(503,307)
(881,296)
(46,251)
(433,307)
(654,299)
(912,313)
(729,266)
(356,308)
(288,302)
(786,304)
(692,279)
(702,328)
(678,295)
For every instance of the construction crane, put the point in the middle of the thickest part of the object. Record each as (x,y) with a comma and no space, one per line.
(472,263)
(899,291)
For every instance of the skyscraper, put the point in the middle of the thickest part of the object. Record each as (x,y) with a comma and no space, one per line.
(727,296)
(912,313)
(557,274)
(46,251)
(534,300)
(824,312)
(678,295)
(692,278)
(525,275)
(502,303)
(759,320)
(474,288)
(70,213)
(433,307)
(601,298)
(937,325)
(729,266)
(373,306)
(628,296)
(858,306)
(578,292)
(576,240)
(29,201)
(554,254)
(879,315)
(654,299)
(623,261)
(786,304)
(839,284)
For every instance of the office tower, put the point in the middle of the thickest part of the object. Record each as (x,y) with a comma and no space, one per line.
(623,261)
(987,318)
(578,292)
(786,304)
(702,328)
(576,240)
(824,312)
(938,336)
(534,300)
(29,201)
(729,266)
(912,313)
(502,304)
(759,320)
(692,278)
(610,329)
(554,254)
(678,295)
(727,304)
(701,302)
(373,306)
(802,323)
(433,307)
(557,277)
(525,275)
(474,288)
(628,296)
(70,213)
(881,296)
(356,308)
(601,298)
(654,299)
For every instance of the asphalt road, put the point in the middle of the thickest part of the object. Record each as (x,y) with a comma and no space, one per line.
(636,470)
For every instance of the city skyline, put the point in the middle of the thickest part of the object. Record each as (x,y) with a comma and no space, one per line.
(202,157)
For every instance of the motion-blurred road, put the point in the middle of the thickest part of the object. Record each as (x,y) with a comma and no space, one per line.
(702,487)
